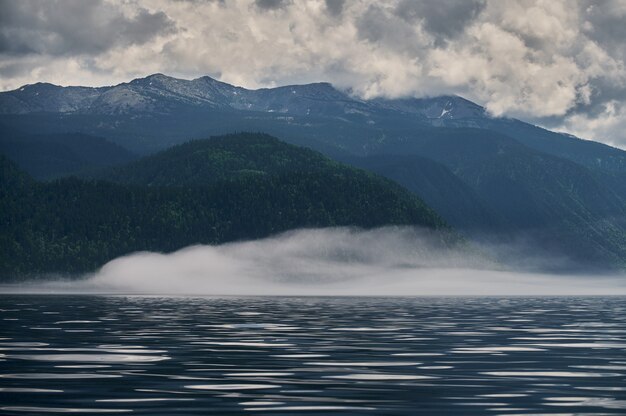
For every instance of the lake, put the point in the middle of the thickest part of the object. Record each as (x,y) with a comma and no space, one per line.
(85,354)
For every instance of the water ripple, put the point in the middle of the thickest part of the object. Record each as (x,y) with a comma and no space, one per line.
(322,356)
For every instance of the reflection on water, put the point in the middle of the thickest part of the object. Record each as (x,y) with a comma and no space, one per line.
(317,356)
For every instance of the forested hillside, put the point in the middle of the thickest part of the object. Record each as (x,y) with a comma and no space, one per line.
(73,225)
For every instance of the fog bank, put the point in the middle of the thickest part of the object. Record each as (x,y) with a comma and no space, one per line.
(391,261)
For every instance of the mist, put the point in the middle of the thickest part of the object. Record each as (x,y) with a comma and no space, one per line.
(390,261)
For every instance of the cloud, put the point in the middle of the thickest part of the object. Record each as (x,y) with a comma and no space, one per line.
(602,125)
(271,4)
(389,261)
(558,63)
(445,19)
(70,27)
(604,24)
(335,7)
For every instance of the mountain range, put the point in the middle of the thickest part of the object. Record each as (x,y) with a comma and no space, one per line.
(493,179)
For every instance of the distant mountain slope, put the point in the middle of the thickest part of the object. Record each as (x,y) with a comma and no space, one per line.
(448,195)
(547,199)
(72,225)
(54,155)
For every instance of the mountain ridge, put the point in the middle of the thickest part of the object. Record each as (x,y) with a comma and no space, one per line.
(143,95)
(209,91)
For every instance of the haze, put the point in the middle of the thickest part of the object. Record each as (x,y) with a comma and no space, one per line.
(391,261)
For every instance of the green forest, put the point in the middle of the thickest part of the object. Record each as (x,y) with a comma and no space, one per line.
(211,191)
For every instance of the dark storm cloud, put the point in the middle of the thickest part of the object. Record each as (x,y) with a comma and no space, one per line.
(380,27)
(606,24)
(271,4)
(335,7)
(12,69)
(442,18)
(66,27)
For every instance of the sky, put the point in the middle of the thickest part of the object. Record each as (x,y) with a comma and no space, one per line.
(557,63)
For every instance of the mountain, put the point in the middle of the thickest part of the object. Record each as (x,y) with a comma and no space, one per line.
(55,155)
(494,188)
(161,94)
(493,178)
(157,111)
(222,158)
(263,187)
(441,189)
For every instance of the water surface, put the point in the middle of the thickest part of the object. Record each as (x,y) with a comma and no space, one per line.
(276,355)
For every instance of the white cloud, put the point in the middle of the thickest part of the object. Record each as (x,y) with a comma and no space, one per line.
(601,126)
(336,262)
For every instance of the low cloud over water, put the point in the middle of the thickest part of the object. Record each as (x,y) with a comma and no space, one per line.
(337,261)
